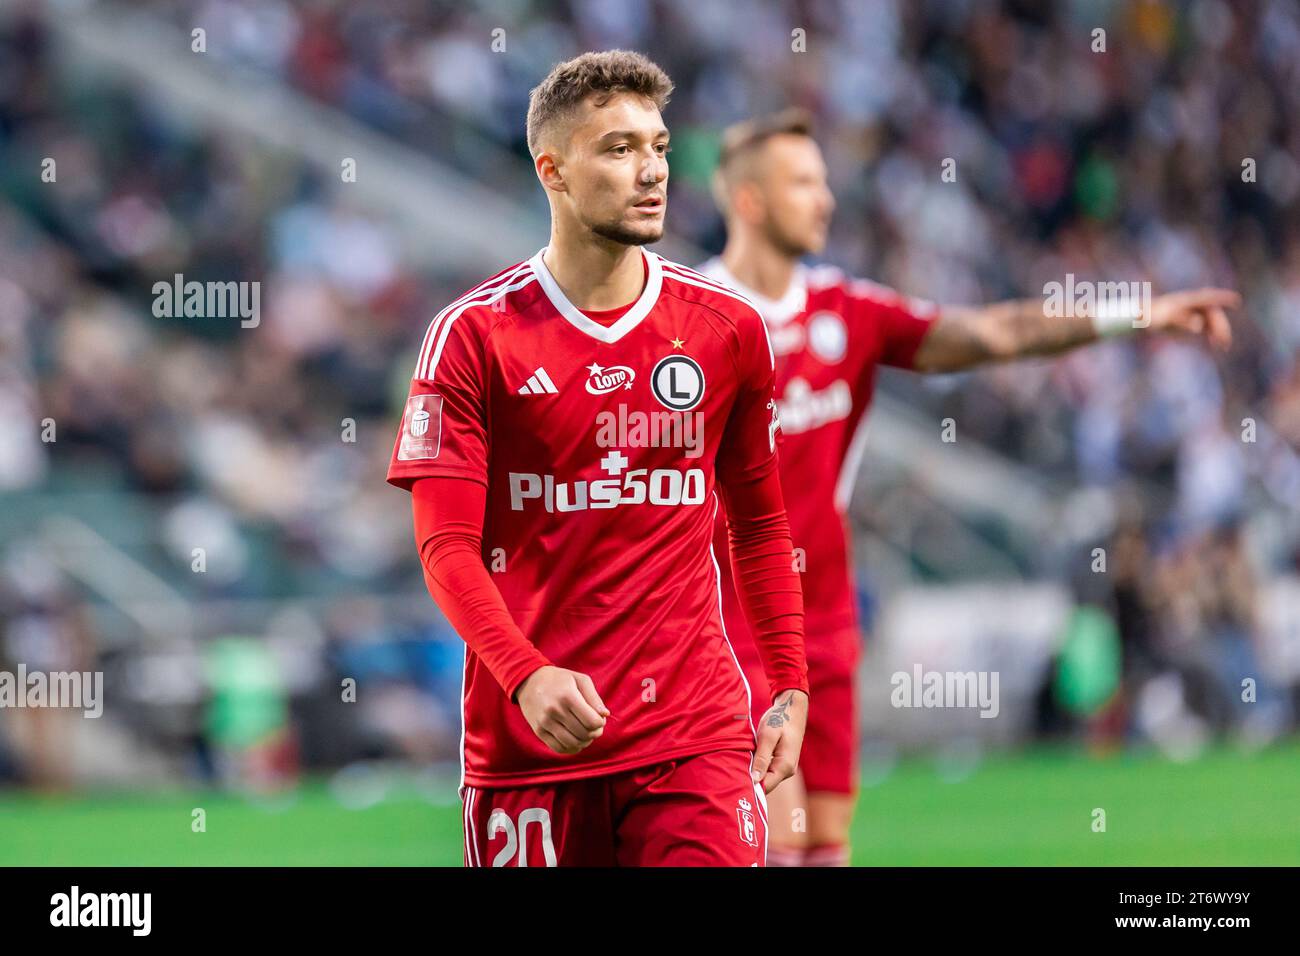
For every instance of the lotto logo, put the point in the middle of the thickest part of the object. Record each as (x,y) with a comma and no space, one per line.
(603,379)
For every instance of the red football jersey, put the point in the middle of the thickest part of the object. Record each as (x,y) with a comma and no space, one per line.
(829,333)
(599,447)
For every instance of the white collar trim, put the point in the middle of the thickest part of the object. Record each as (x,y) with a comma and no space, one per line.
(775,311)
(626,322)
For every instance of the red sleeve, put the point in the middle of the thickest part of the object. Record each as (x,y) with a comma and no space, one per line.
(902,321)
(444,424)
(449,535)
(761,548)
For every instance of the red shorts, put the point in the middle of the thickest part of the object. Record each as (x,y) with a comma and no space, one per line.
(829,758)
(692,811)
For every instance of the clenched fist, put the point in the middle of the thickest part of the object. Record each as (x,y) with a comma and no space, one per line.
(563,708)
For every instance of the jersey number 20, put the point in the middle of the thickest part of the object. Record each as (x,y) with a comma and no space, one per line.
(517,837)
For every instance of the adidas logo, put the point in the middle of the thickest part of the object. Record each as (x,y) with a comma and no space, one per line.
(539,383)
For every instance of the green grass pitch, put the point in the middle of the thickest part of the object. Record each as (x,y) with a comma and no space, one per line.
(1035,808)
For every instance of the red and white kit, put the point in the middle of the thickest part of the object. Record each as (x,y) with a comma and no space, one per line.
(829,333)
(594,447)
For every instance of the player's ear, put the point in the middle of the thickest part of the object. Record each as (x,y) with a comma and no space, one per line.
(747,201)
(548,171)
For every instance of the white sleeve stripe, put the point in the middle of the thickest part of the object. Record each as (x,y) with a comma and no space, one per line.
(431,332)
(687,270)
(711,286)
(431,366)
(694,273)
(686,275)
(771,355)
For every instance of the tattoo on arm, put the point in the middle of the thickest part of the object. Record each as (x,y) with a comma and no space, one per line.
(958,342)
(1033,332)
(1006,330)
(777,716)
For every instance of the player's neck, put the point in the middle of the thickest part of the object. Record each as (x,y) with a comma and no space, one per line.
(595,275)
(760,267)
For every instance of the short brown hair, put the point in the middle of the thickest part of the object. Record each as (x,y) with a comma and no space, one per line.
(605,73)
(741,141)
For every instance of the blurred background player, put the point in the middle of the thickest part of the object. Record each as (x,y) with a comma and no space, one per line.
(830,333)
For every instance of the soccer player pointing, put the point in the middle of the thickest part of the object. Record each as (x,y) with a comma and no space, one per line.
(830,333)
(606,718)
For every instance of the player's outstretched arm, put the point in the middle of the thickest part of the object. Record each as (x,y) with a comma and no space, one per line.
(965,337)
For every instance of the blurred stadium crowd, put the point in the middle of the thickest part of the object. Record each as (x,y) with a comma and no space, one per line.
(181,433)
